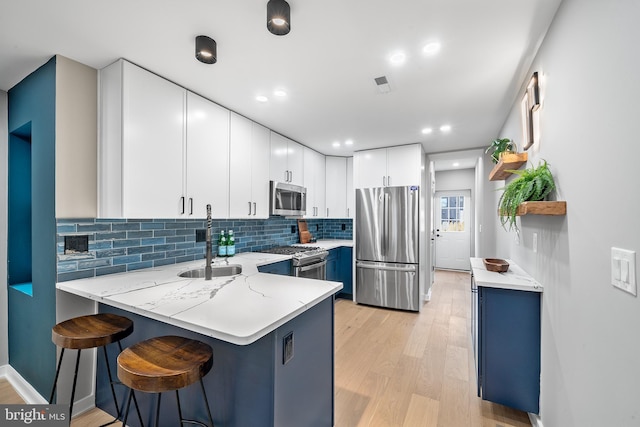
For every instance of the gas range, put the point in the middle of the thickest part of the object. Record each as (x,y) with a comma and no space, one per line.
(301,255)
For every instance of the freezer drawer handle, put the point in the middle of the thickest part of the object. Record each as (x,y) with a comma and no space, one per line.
(388,268)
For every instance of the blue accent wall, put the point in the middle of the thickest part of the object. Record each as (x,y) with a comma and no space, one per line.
(31,318)
(118,245)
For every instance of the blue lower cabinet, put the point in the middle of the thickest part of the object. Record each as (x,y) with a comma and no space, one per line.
(332,265)
(282,268)
(345,271)
(509,347)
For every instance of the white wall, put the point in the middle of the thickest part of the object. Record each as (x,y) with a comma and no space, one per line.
(4,135)
(588,64)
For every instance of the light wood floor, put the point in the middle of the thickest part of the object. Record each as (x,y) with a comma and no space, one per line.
(395,368)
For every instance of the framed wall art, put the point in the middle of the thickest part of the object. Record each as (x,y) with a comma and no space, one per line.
(529,108)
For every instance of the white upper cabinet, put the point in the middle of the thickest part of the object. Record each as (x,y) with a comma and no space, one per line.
(207,158)
(351,194)
(141,144)
(158,157)
(388,167)
(287,160)
(249,169)
(336,187)
(314,181)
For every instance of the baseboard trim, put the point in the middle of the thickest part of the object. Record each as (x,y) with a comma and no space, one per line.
(31,396)
(535,420)
(20,385)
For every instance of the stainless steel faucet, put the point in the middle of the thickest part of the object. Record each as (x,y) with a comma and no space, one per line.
(208,256)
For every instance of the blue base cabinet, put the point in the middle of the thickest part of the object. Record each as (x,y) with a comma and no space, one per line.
(282,268)
(340,268)
(508,359)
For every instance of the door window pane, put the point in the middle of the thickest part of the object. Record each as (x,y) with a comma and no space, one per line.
(452,213)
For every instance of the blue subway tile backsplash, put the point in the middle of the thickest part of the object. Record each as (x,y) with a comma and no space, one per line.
(119,245)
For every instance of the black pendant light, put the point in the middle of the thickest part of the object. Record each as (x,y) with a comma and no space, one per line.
(206,50)
(278,17)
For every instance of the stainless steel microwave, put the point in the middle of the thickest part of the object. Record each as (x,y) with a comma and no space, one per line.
(287,199)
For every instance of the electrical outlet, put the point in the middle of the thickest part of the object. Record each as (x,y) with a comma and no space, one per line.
(623,270)
(76,244)
(293,229)
(201,235)
(535,242)
(344,227)
(287,348)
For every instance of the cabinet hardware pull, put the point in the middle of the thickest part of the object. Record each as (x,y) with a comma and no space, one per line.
(389,181)
(249,208)
(190,205)
(254,208)
(327,212)
(384,181)
(182,201)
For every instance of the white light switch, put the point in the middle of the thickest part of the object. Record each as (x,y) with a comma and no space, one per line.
(623,270)
(535,242)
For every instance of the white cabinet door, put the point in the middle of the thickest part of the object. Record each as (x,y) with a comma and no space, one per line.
(314,181)
(279,170)
(336,187)
(152,145)
(351,194)
(240,168)
(207,153)
(372,168)
(260,171)
(287,160)
(403,165)
(249,169)
(295,162)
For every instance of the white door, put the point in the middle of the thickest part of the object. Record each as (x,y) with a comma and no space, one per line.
(240,167)
(260,170)
(336,189)
(372,168)
(453,229)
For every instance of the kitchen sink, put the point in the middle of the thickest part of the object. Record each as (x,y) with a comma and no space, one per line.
(216,271)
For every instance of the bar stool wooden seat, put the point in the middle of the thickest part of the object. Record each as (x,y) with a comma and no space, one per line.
(91,331)
(164,364)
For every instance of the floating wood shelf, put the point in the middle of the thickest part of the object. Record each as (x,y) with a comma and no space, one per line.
(507,162)
(542,208)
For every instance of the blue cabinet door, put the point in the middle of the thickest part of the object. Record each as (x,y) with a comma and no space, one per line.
(282,268)
(509,347)
(332,265)
(345,271)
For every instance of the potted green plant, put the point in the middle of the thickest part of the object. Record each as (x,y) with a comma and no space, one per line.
(532,184)
(499,146)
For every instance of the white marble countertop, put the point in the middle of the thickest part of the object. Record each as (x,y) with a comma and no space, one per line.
(515,278)
(238,309)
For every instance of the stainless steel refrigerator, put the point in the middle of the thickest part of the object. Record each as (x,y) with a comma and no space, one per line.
(387,242)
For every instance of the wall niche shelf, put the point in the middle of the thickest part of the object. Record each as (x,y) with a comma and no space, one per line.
(542,208)
(507,162)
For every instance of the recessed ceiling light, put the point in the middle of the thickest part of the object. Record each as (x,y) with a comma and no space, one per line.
(261,98)
(431,48)
(336,144)
(280,93)
(348,142)
(456,164)
(427,131)
(445,128)
(397,58)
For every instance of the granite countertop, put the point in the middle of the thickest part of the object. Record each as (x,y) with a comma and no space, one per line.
(238,309)
(515,278)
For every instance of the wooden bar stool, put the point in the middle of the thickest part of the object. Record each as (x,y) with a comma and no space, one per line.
(95,330)
(164,364)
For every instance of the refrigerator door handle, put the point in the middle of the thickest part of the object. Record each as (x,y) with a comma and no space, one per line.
(385,225)
(410,269)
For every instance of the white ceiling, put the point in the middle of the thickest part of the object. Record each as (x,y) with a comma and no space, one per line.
(327,62)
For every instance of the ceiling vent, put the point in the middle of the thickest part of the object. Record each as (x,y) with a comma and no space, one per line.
(383,84)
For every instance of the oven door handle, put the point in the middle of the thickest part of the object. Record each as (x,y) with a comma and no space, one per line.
(312,266)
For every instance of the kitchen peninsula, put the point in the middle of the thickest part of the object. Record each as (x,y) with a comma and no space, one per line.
(272,338)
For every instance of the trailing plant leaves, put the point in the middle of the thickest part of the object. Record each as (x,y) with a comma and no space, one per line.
(531,184)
